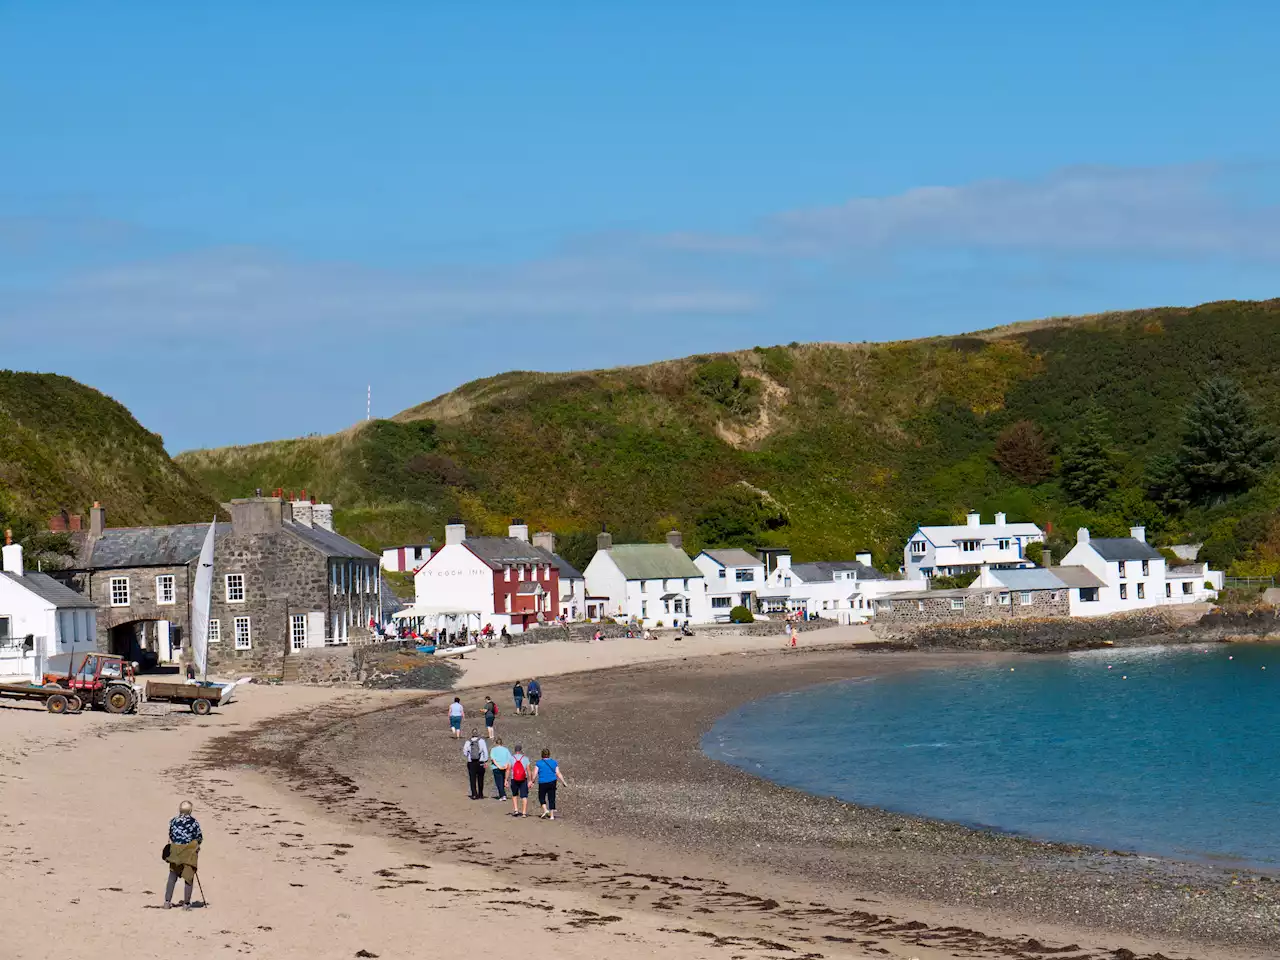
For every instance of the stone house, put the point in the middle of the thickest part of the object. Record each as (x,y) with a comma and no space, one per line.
(281,583)
(904,612)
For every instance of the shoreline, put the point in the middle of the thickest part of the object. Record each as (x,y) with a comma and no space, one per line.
(673,805)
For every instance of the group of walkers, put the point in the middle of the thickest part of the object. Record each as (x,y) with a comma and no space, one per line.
(512,771)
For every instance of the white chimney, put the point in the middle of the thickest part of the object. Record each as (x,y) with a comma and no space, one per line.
(974,519)
(1138,533)
(863,558)
(784,562)
(999,519)
(1082,535)
(519,530)
(303,511)
(12,555)
(455,533)
(322,516)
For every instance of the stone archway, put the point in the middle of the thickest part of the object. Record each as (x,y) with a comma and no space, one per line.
(152,644)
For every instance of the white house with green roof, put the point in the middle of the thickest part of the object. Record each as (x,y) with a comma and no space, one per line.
(648,582)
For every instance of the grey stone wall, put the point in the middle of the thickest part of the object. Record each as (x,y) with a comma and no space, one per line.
(1144,627)
(142,598)
(327,665)
(909,615)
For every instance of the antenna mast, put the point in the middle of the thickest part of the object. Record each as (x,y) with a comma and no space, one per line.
(368,404)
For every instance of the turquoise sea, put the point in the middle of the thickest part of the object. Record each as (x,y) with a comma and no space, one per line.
(1168,751)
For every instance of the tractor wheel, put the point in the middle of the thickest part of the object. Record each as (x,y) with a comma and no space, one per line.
(57,704)
(201,707)
(53,685)
(74,704)
(117,700)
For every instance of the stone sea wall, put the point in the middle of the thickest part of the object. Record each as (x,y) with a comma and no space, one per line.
(1052,634)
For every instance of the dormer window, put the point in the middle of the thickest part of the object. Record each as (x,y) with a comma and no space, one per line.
(970,546)
(1002,544)
(917,546)
(506,572)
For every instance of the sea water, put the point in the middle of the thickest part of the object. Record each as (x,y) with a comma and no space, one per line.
(1166,751)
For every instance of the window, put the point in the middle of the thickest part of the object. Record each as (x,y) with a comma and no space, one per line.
(520,571)
(679,605)
(1187,588)
(1088,594)
(1121,565)
(1146,568)
(721,573)
(1168,589)
(643,585)
(1025,598)
(986,600)
(917,546)
(6,632)
(506,572)
(164,589)
(970,546)
(1002,544)
(215,631)
(786,581)
(244,636)
(235,589)
(119,591)
(745,576)
(644,610)
(957,603)
(1004,599)
(1124,591)
(721,603)
(685,584)
(298,631)
(1142,591)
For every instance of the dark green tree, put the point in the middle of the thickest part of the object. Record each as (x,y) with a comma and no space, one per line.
(738,517)
(1224,449)
(1088,468)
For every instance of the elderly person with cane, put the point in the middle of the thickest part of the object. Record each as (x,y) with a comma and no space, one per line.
(182,852)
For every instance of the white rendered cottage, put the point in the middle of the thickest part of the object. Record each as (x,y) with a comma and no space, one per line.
(843,590)
(40,618)
(646,582)
(1135,575)
(950,550)
(734,578)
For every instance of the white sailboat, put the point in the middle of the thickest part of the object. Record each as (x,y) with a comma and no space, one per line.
(200,604)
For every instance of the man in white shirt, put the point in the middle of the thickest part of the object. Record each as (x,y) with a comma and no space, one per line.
(476,752)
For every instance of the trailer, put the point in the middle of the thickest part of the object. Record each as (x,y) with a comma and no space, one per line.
(200,697)
(56,700)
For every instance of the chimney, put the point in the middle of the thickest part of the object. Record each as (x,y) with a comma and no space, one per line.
(1046,559)
(256,514)
(784,562)
(676,539)
(999,519)
(1138,533)
(73,523)
(322,516)
(863,558)
(1082,535)
(974,519)
(11,555)
(97,519)
(546,540)
(455,531)
(604,539)
(519,530)
(302,512)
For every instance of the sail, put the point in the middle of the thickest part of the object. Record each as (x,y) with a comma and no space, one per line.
(200,604)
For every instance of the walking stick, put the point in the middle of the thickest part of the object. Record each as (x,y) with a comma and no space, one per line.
(203,898)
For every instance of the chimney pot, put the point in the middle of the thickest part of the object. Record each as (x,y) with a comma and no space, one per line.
(11,555)
(974,519)
(518,530)
(604,539)
(676,539)
(1082,535)
(1046,559)
(97,520)
(1138,533)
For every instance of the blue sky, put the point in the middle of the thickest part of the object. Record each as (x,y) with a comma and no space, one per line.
(232,217)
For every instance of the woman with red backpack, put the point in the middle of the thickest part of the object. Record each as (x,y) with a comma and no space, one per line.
(518,775)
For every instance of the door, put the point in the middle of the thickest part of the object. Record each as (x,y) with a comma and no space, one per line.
(298,631)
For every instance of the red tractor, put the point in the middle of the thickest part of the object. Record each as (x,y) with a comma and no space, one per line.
(101,680)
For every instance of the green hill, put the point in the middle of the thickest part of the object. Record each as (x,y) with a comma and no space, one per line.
(823,447)
(64,445)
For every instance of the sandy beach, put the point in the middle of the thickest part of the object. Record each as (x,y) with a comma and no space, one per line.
(337,825)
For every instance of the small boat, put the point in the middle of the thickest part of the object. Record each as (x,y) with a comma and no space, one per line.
(453,651)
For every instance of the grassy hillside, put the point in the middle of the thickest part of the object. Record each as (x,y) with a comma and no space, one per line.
(64,445)
(823,447)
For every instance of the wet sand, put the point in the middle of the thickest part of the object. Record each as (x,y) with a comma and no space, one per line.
(729,862)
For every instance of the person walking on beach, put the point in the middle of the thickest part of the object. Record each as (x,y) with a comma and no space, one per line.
(517,694)
(500,760)
(520,774)
(456,713)
(535,695)
(182,851)
(546,773)
(476,752)
(490,715)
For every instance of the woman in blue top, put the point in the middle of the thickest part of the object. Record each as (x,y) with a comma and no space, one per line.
(546,772)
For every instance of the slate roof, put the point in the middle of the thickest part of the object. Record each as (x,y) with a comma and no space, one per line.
(1077,577)
(327,542)
(47,588)
(150,546)
(1123,548)
(495,551)
(823,571)
(653,561)
(567,570)
(1034,578)
(733,557)
(529,588)
(945,536)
